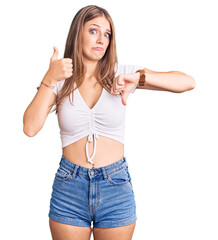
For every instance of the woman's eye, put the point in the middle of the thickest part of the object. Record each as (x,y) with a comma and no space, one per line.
(106,33)
(92,30)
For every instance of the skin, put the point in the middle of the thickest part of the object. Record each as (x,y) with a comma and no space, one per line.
(93,36)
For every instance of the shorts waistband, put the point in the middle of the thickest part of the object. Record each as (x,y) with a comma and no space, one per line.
(92,172)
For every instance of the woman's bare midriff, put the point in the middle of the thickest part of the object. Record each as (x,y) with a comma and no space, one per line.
(107,152)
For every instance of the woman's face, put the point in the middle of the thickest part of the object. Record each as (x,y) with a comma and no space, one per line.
(96,34)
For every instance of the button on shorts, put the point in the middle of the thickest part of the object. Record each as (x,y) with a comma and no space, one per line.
(101,196)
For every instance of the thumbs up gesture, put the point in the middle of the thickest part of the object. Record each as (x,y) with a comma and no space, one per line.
(123,84)
(59,69)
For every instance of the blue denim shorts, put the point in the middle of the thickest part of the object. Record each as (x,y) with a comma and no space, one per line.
(101,196)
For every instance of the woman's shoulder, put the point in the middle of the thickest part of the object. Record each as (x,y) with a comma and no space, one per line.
(58,86)
(126,68)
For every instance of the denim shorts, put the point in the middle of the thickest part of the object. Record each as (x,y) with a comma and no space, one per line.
(101,196)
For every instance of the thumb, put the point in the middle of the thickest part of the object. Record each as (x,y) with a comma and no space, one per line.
(124,97)
(55,54)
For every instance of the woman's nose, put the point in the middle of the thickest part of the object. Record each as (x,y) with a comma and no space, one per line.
(100,38)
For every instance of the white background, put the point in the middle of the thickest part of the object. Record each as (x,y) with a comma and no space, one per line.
(171,138)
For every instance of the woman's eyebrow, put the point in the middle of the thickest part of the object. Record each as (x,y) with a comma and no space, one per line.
(99,26)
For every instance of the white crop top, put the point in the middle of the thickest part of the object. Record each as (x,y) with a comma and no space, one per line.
(106,118)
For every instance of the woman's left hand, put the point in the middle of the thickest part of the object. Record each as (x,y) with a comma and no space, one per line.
(123,84)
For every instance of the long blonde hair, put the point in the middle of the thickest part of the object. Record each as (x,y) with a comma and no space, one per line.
(104,71)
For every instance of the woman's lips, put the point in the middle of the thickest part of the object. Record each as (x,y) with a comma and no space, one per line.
(98,48)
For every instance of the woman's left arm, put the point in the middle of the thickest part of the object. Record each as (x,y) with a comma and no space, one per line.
(173,81)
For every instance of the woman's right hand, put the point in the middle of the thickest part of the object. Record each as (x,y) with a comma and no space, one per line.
(59,69)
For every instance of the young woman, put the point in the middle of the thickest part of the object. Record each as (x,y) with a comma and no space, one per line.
(90,89)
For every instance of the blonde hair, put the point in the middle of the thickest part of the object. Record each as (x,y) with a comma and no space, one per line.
(104,71)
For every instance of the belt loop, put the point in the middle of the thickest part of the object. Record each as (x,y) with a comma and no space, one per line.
(125,161)
(104,173)
(75,171)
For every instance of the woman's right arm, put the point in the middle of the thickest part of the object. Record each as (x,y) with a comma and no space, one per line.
(38,110)
(36,113)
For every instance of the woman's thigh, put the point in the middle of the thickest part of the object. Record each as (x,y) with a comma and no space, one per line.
(61,231)
(116,233)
